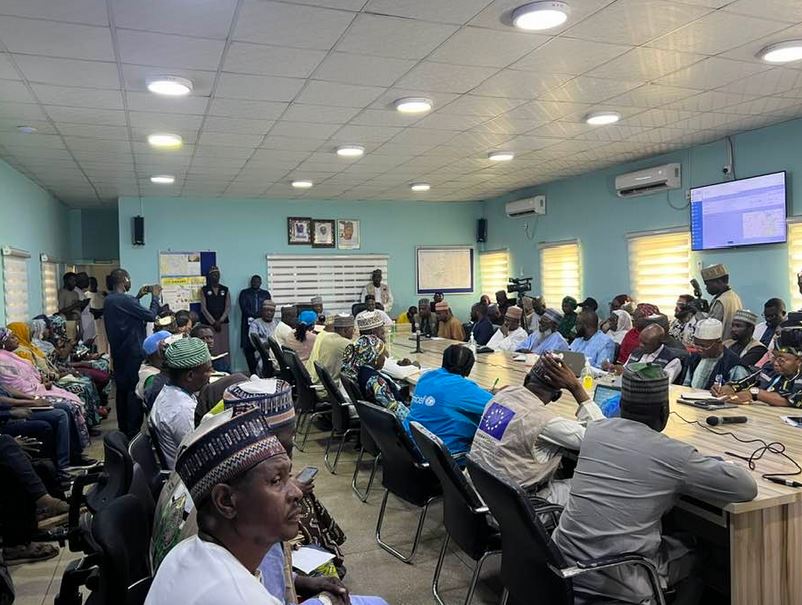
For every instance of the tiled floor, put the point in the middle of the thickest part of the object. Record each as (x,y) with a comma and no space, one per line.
(371,571)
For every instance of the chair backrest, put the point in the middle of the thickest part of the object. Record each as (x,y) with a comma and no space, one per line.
(339,406)
(264,355)
(278,353)
(142,453)
(352,388)
(464,514)
(140,487)
(526,548)
(118,468)
(404,474)
(121,532)
(307,398)
(153,433)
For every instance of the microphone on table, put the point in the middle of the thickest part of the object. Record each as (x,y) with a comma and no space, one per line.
(716,420)
(417,343)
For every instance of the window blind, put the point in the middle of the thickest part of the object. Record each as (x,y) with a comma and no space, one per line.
(494,271)
(560,272)
(296,278)
(50,285)
(795,262)
(660,268)
(15,284)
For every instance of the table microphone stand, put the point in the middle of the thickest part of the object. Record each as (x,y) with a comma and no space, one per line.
(417,343)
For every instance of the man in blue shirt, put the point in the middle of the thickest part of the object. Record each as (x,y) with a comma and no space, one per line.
(597,346)
(483,329)
(125,321)
(447,403)
(547,338)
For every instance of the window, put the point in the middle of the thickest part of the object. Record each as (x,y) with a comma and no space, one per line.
(50,285)
(795,261)
(15,284)
(560,272)
(494,271)
(296,278)
(660,268)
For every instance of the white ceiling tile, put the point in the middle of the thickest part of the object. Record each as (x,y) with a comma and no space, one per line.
(303,130)
(717,32)
(387,102)
(709,101)
(365,134)
(652,95)
(65,40)
(94,131)
(7,71)
(18,139)
(338,94)
(498,14)
(443,11)
(520,84)
(394,37)
(287,143)
(248,58)
(485,47)
(236,125)
(763,106)
(28,153)
(444,77)
(569,55)
(91,12)
(169,122)
(69,72)
(236,108)
(212,152)
(635,21)
(136,77)
(381,117)
(645,64)
(415,136)
(204,18)
(769,82)
(145,101)
(749,52)
(85,115)
(658,118)
(188,135)
(780,10)
(78,97)
(584,89)
(14,91)
(283,24)
(505,125)
(481,106)
(12,124)
(710,73)
(146,48)
(441,121)
(362,69)
(324,114)
(260,88)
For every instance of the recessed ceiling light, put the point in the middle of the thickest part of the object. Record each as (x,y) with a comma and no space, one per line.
(163,179)
(540,15)
(172,86)
(302,184)
(164,140)
(350,151)
(420,186)
(27,129)
(500,156)
(782,52)
(413,105)
(602,118)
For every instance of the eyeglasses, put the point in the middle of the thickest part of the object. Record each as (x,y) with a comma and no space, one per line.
(699,347)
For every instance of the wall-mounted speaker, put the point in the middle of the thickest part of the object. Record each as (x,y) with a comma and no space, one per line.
(481,230)
(138,231)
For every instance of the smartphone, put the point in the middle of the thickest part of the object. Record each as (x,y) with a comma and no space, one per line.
(306,475)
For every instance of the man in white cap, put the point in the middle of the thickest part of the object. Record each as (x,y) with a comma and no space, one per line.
(379,290)
(743,343)
(371,323)
(547,338)
(725,301)
(510,336)
(448,326)
(286,327)
(711,363)
(370,307)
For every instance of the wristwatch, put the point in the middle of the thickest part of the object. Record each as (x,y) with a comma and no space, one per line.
(754,392)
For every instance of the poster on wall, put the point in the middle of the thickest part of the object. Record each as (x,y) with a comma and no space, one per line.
(182,275)
(348,235)
(180,263)
(447,269)
(182,292)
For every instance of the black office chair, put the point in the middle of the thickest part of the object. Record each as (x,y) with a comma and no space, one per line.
(307,403)
(529,556)
(465,516)
(342,425)
(122,532)
(366,443)
(143,453)
(404,474)
(284,371)
(264,355)
(154,439)
(141,489)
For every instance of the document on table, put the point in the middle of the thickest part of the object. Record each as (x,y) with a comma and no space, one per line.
(697,396)
(308,559)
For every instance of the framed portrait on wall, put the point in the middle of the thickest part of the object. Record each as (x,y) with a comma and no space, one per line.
(299,231)
(348,234)
(323,233)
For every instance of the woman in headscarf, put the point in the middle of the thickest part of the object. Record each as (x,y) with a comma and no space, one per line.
(17,374)
(619,322)
(631,340)
(303,340)
(77,358)
(447,403)
(362,361)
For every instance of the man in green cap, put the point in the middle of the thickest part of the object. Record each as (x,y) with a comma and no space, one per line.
(189,366)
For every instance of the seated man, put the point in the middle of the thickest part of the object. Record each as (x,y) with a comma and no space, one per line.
(652,350)
(483,329)
(597,346)
(686,317)
(370,307)
(448,326)
(427,321)
(521,438)
(567,326)
(712,363)
(329,347)
(627,477)
(189,366)
(371,324)
(510,336)
(548,337)
(447,403)
(263,327)
(668,340)
(742,343)
(285,330)
(152,366)
(773,314)
(220,363)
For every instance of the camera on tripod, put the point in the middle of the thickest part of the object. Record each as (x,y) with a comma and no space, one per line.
(519,285)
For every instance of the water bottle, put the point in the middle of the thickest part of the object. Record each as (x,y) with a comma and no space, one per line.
(472,343)
(586,376)
(719,380)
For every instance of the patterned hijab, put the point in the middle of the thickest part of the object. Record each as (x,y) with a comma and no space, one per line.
(27,350)
(58,329)
(364,352)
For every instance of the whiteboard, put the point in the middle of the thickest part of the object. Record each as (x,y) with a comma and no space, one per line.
(447,269)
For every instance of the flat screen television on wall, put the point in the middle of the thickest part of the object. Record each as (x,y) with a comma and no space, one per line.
(743,212)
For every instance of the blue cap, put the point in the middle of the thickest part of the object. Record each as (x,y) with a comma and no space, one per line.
(308,318)
(151,344)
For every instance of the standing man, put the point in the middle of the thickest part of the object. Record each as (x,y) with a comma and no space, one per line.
(88,331)
(774,315)
(725,301)
(125,320)
(503,302)
(250,305)
(380,291)
(70,304)
(215,304)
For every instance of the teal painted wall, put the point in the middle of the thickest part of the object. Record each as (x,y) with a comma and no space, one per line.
(586,208)
(100,236)
(243,231)
(32,220)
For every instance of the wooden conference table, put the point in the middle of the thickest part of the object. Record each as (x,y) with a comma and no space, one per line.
(764,536)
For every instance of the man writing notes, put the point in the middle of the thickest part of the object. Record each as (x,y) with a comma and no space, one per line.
(725,301)
(380,291)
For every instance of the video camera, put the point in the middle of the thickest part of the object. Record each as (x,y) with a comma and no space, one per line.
(519,285)
(698,303)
